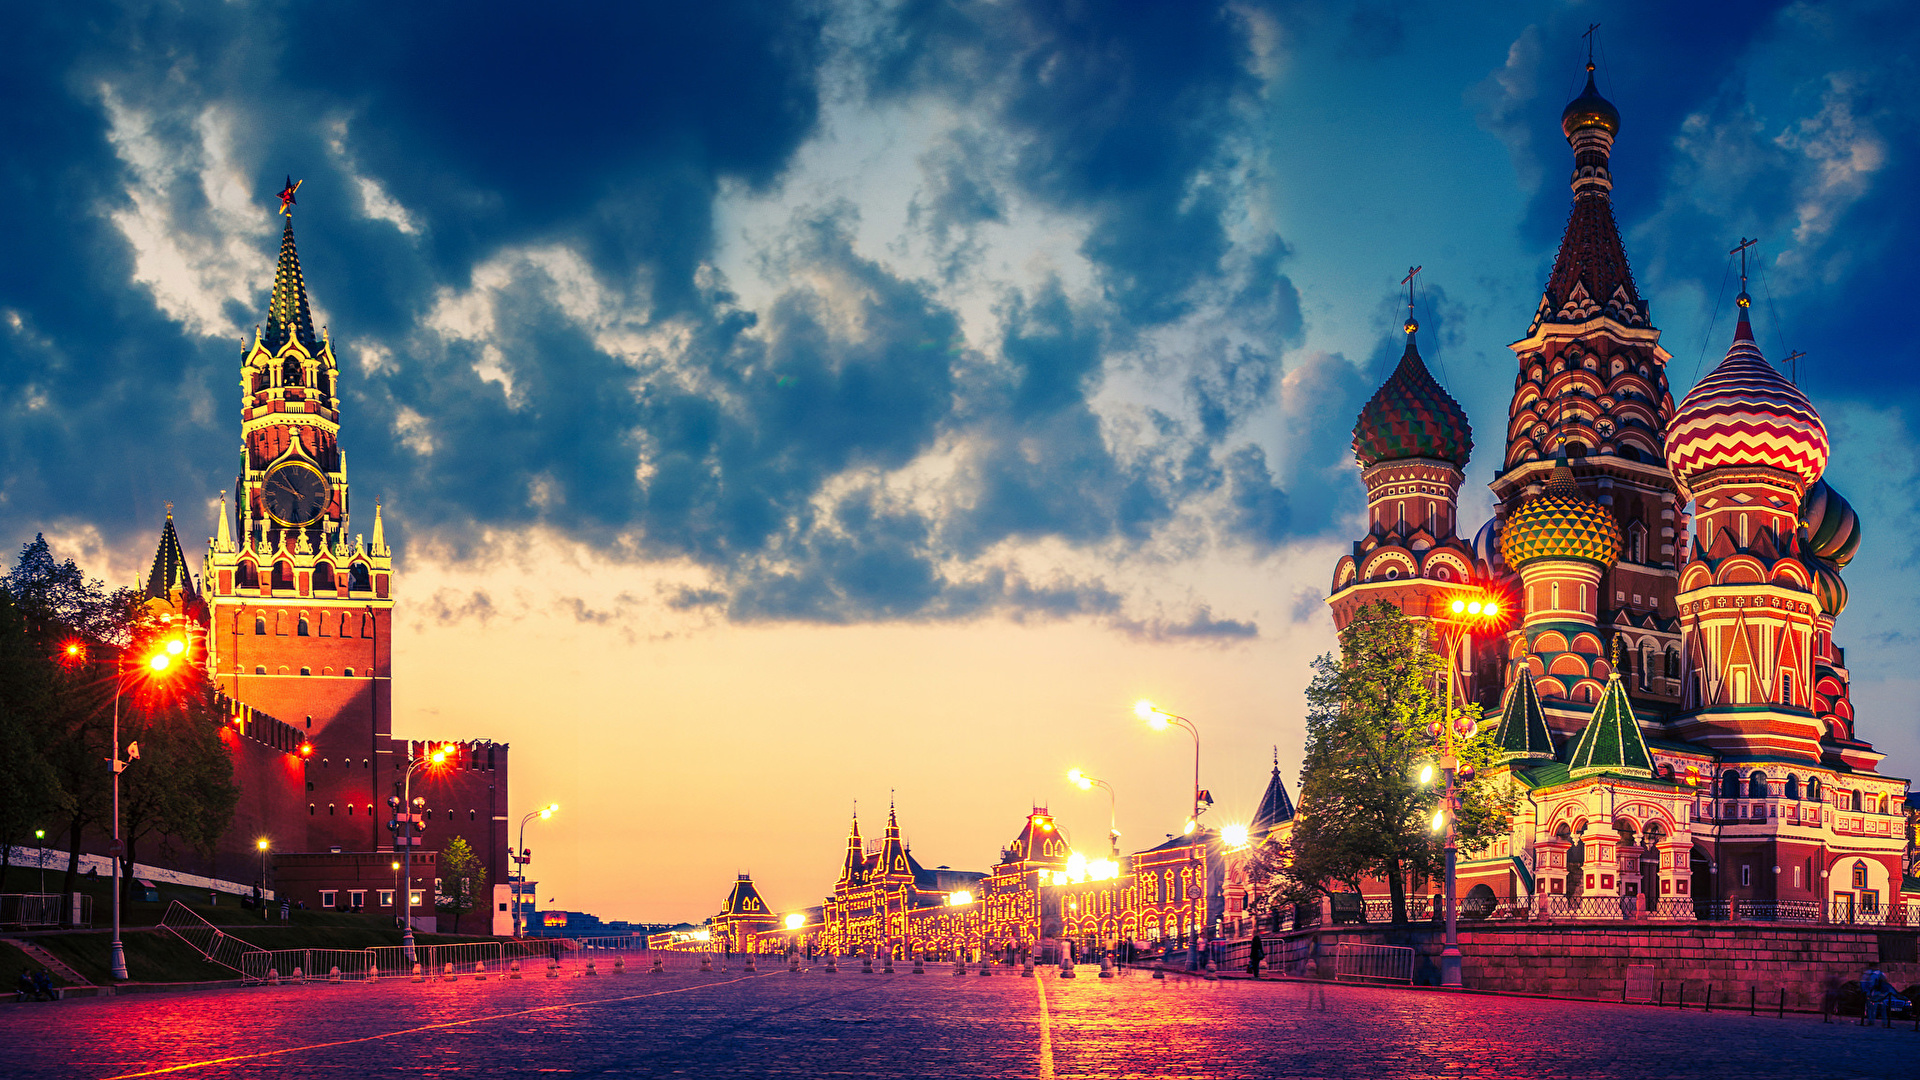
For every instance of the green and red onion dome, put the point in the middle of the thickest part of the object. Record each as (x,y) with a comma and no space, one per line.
(1745,414)
(1411,417)
(1833,529)
(1827,586)
(1560,523)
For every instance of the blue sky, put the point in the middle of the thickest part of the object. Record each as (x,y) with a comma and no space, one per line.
(921,379)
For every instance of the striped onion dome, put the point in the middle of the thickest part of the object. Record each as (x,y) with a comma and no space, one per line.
(1828,587)
(1833,529)
(1560,523)
(1411,417)
(1746,414)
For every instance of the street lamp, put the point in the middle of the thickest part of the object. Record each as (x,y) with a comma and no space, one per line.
(521,856)
(434,757)
(1087,783)
(159,665)
(1160,720)
(262,845)
(1464,613)
(40,843)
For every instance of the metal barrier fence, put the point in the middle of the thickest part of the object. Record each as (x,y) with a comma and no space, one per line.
(1385,963)
(208,940)
(41,909)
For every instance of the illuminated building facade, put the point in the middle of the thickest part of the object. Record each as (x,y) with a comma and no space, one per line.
(1669,697)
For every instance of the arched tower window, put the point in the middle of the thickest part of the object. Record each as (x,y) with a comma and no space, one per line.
(260,624)
(323,577)
(1729,785)
(283,575)
(305,629)
(1757,786)
(1813,789)
(290,373)
(1793,786)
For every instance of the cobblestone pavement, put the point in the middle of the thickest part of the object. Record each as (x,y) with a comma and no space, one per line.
(849,1024)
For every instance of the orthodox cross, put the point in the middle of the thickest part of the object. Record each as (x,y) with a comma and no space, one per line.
(286,195)
(1412,271)
(1793,366)
(1589,35)
(1742,252)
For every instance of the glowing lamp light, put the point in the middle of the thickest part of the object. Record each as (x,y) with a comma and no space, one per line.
(437,756)
(1191,825)
(1426,774)
(1459,606)
(960,897)
(1079,779)
(74,649)
(1147,711)
(796,921)
(1439,820)
(1234,835)
(306,748)
(261,843)
(1492,609)
(160,662)
(176,647)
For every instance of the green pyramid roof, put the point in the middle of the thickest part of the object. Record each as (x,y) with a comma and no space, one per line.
(1611,742)
(1523,725)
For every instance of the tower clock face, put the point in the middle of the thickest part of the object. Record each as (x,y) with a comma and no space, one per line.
(296,493)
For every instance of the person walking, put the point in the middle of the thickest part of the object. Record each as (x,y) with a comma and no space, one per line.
(1258,952)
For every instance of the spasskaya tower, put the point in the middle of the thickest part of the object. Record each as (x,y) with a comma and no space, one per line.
(301,605)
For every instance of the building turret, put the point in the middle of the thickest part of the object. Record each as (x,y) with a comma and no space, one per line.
(892,865)
(1523,737)
(853,870)
(1412,441)
(1562,543)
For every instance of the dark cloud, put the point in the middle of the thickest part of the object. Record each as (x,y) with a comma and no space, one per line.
(1124,117)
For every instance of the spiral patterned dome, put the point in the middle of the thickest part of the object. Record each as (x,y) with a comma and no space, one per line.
(1828,587)
(1560,523)
(1411,417)
(1745,413)
(1486,548)
(1833,529)
(1590,110)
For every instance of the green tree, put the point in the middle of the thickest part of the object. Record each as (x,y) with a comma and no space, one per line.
(30,793)
(182,787)
(462,883)
(1371,714)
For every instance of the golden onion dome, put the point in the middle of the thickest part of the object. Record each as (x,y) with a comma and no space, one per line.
(1560,523)
(1590,110)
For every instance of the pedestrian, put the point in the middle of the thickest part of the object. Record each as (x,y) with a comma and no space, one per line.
(1258,952)
(24,989)
(43,986)
(1878,992)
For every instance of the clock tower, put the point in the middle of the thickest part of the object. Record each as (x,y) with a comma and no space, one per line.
(302,605)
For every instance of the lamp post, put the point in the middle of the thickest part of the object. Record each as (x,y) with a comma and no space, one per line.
(1468,610)
(263,845)
(40,844)
(434,757)
(520,859)
(1087,783)
(1160,720)
(160,664)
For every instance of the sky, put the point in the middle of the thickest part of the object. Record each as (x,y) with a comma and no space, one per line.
(781,405)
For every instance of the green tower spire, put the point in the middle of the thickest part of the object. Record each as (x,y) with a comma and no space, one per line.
(1523,732)
(1611,742)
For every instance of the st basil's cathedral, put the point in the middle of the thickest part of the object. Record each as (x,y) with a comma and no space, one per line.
(1668,694)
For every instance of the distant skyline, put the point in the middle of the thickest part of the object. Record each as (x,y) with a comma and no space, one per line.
(777,405)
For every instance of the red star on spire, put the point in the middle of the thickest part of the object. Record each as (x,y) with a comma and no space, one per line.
(286,195)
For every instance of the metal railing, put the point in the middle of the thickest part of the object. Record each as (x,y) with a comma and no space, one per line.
(1383,963)
(208,940)
(41,909)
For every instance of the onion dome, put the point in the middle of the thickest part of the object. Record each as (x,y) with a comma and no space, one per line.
(1833,529)
(1827,586)
(1411,417)
(1560,523)
(1486,548)
(1746,413)
(1590,110)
